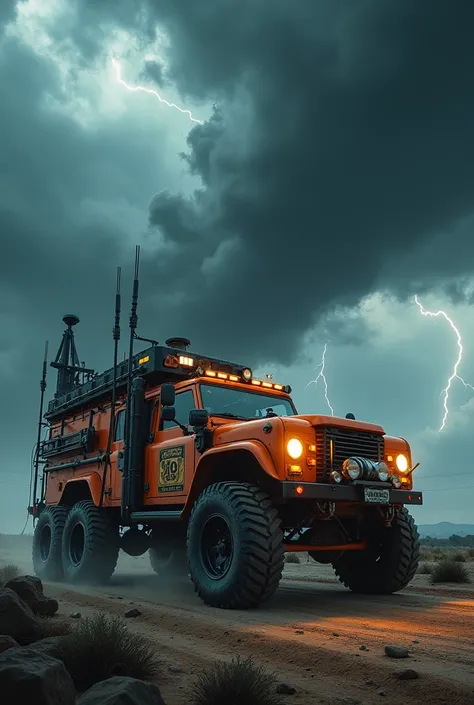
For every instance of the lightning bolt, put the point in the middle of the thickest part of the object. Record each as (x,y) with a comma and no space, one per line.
(454,374)
(151,91)
(322,376)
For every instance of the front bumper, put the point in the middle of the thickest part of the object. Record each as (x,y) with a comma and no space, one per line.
(347,493)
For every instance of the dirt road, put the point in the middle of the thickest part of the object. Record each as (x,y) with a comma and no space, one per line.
(310,634)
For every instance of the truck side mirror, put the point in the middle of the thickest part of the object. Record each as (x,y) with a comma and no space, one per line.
(168,413)
(198,418)
(167,394)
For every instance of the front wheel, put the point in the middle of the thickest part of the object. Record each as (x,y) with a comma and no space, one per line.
(390,561)
(235,546)
(90,544)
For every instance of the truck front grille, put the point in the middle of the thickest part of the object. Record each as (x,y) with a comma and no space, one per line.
(334,445)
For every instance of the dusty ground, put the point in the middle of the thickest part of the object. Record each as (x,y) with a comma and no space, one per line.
(310,634)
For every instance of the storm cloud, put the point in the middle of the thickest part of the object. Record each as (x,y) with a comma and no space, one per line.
(340,148)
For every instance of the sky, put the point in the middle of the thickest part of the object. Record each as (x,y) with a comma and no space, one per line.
(325,178)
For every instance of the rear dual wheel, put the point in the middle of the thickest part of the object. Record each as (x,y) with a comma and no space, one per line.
(78,544)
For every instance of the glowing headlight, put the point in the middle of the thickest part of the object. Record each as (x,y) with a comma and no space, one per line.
(294,448)
(351,468)
(383,471)
(401,462)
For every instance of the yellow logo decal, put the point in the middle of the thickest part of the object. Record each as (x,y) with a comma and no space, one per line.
(171,472)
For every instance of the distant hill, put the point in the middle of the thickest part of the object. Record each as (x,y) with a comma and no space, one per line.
(445,529)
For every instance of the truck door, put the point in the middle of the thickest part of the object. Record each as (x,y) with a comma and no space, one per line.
(171,459)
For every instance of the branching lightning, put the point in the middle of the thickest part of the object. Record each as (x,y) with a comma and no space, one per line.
(150,91)
(321,375)
(454,373)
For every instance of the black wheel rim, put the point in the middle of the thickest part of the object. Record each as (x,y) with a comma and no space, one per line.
(45,542)
(77,544)
(217,547)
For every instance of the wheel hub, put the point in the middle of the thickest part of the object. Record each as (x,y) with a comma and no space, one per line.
(216,547)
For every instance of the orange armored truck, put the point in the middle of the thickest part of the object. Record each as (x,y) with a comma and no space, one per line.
(198,462)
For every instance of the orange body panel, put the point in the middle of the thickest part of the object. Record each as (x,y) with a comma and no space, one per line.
(175,472)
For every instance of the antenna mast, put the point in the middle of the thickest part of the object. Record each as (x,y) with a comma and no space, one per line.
(116,338)
(40,424)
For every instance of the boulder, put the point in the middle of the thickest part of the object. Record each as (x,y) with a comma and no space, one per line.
(27,676)
(16,618)
(122,691)
(50,646)
(30,590)
(6,642)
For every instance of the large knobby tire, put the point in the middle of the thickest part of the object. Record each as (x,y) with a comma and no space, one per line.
(90,544)
(166,561)
(390,562)
(235,546)
(47,543)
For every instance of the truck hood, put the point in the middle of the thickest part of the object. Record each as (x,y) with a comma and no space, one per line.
(323,420)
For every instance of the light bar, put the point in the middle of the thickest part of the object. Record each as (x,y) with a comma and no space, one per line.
(142,360)
(186,361)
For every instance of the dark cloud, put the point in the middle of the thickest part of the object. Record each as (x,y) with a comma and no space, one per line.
(154,71)
(342,145)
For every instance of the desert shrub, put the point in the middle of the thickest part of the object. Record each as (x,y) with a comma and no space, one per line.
(470,553)
(50,626)
(459,557)
(239,682)
(292,558)
(450,572)
(425,569)
(426,554)
(8,572)
(101,647)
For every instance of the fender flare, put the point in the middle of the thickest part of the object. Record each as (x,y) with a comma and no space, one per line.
(76,486)
(254,450)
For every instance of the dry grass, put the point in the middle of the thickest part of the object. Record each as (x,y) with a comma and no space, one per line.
(292,558)
(425,569)
(51,626)
(101,647)
(8,572)
(459,557)
(449,571)
(240,682)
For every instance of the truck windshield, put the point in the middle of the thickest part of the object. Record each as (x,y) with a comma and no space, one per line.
(236,403)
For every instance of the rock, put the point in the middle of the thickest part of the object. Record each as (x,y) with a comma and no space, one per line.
(363,648)
(7,642)
(27,676)
(16,618)
(285,689)
(396,652)
(75,615)
(30,590)
(132,613)
(407,675)
(122,691)
(299,631)
(50,647)
(415,641)
(369,683)
(175,669)
(382,693)
(335,634)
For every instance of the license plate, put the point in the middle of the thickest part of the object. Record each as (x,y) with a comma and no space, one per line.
(376,496)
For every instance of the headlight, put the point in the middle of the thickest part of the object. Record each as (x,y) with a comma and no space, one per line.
(247,374)
(294,448)
(401,462)
(351,468)
(383,471)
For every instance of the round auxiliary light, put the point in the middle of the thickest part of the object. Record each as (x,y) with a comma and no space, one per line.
(396,482)
(336,477)
(247,374)
(383,471)
(401,462)
(294,448)
(351,468)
